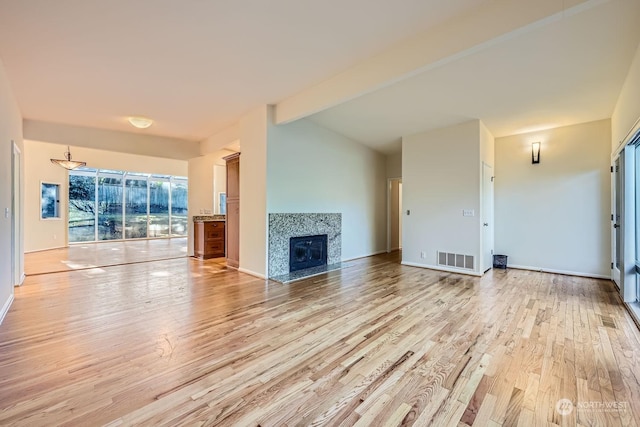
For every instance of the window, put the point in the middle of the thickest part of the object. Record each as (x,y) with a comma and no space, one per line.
(136,207)
(115,205)
(222,200)
(158,207)
(82,207)
(49,200)
(178,207)
(110,218)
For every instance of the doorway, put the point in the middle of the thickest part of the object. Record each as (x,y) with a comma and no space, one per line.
(487,217)
(394,214)
(17,254)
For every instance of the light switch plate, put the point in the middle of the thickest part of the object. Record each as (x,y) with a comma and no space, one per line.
(468,212)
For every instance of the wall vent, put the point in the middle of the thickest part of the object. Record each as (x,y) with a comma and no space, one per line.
(448,259)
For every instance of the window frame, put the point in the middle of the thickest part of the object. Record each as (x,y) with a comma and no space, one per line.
(57,209)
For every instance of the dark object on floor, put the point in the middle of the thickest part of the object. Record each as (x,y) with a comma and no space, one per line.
(500,261)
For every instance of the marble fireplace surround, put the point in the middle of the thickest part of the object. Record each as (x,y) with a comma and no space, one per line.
(283,226)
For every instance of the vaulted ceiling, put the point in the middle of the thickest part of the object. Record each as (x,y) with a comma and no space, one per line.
(196,66)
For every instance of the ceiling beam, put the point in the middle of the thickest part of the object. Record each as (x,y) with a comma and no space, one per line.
(220,140)
(110,140)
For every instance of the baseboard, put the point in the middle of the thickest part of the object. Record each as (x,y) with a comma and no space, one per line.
(46,249)
(564,272)
(6,307)
(251,273)
(438,268)
(384,251)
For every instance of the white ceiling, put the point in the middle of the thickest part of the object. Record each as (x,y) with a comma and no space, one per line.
(566,72)
(194,66)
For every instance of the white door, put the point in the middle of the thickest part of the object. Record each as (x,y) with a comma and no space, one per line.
(487,217)
(616,250)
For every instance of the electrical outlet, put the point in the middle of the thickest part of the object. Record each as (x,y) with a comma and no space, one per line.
(6,212)
(423,255)
(55,236)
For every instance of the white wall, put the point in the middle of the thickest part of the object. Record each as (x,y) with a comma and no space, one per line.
(254,135)
(394,165)
(441,176)
(201,186)
(144,144)
(10,130)
(47,234)
(312,169)
(50,233)
(219,183)
(627,110)
(555,215)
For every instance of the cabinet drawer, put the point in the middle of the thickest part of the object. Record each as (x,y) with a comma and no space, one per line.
(215,233)
(216,246)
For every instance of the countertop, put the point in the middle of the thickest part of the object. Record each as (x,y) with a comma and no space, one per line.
(209,218)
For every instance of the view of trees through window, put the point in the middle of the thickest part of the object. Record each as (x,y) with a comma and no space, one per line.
(114,205)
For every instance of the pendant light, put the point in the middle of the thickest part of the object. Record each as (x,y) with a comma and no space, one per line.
(67,163)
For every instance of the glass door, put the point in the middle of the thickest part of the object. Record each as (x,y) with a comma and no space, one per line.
(616,219)
(110,212)
(179,190)
(159,194)
(135,207)
(82,207)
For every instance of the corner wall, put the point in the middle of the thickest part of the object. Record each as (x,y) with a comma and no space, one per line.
(441,177)
(254,135)
(312,169)
(555,215)
(10,130)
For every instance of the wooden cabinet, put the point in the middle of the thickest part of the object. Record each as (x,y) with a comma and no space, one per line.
(209,239)
(233,210)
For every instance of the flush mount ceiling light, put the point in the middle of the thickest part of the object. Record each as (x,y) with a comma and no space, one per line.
(67,163)
(140,122)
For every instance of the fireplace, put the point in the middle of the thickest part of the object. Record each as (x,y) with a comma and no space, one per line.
(285,226)
(307,251)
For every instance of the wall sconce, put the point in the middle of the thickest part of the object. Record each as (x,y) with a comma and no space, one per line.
(535,153)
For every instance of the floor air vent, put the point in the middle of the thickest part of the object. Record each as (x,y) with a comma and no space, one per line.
(448,259)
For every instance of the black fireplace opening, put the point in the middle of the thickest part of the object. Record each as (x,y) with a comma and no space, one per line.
(307,252)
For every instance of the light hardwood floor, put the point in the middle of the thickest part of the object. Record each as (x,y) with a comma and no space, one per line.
(90,255)
(186,342)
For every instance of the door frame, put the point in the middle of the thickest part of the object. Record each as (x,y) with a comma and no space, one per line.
(626,152)
(488,221)
(17,252)
(617,178)
(389,225)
